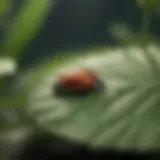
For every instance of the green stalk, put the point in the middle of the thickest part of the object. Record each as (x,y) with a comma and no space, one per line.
(146,17)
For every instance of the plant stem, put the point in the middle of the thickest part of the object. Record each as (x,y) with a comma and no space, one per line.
(145,26)
(146,17)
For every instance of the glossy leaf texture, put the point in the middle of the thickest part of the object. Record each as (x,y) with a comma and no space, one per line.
(25,25)
(124,116)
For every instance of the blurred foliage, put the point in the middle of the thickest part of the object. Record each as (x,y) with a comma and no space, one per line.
(148,4)
(124,34)
(25,25)
(8,66)
(22,30)
(5,6)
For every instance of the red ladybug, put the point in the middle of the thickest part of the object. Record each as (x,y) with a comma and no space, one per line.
(83,80)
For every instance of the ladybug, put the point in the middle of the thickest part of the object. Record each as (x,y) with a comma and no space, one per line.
(82,81)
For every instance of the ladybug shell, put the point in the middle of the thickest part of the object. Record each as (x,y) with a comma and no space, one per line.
(79,79)
(78,83)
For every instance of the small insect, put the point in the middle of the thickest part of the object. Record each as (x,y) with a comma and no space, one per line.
(82,81)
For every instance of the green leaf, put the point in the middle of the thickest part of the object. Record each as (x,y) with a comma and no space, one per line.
(8,70)
(26,25)
(7,66)
(4,6)
(124,116)
(148,4)
(124,34)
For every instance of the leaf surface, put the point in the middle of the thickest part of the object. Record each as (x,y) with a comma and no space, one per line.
(124,116)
